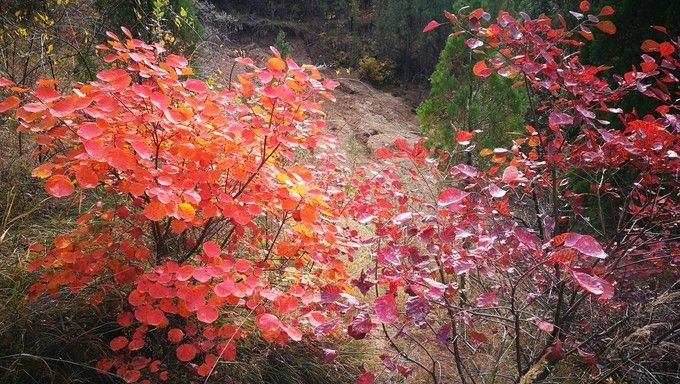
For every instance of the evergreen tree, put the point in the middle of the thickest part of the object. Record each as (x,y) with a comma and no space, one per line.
(459,100)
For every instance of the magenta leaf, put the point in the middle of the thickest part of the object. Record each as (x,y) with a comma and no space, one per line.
(388,362)
(560,118)
(386,308)
(593,284)
(527,238)
(473,43)
(487,299)
(496,191)
(417,308)
(585,244)
(403,218)
(329,355)
(463,266)
(443,335)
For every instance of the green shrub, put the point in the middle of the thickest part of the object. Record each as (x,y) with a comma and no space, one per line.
(282,44)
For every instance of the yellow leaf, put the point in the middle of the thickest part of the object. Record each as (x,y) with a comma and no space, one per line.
(485,152)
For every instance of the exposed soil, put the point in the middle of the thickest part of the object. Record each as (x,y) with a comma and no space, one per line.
(363,118)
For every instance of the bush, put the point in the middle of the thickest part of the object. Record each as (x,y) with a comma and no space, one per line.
(376,71)
(282,44)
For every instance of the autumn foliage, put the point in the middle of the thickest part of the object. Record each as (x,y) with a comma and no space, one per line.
(205,222)
(216,213)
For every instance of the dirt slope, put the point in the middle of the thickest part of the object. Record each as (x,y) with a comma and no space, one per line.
(363,118)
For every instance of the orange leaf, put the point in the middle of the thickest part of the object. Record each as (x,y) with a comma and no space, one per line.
(87,178)
(276,64)
(650,46)
(43,171)
(9,103)
(59,186)
(308,213)
(480,69)
(584,6)
(606,11)
(155,211)
(607,27)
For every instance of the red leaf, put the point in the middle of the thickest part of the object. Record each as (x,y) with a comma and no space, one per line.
(496,191)
(46,94)
(176,61)
(125,319)
(86,178)
(186,352)
(195,85)
(585,244)
(431,25)
(207,314)
(666,49)
(269,326)
(175,335)
(59,186)
(383,153)
(487,299)
(660,28)
(650,46)
(584,6)
(211,249)
(451,196)
(543,325)
(473,43)
(360,326)
(329,355)
(366,378)
(464,137)
(118,343)
(386,308)
(89,131)
(607,27)
(294,333)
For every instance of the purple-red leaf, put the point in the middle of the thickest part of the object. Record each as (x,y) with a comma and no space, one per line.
(585,244)
(593,284)
(360,326)
(560,118)
(386,308)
